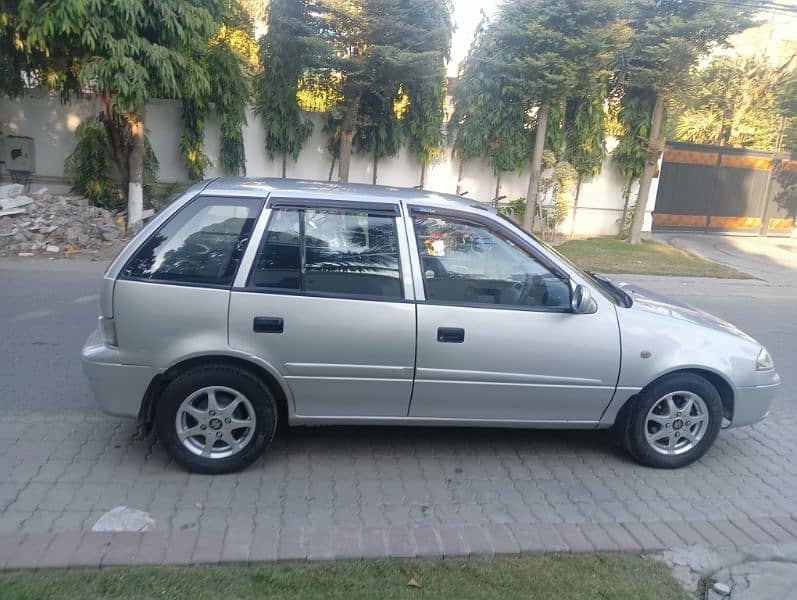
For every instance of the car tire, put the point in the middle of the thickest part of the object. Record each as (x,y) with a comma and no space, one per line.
(673,422)
(216,419)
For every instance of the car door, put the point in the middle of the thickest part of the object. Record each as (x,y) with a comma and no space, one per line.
(497,339)
(325,304)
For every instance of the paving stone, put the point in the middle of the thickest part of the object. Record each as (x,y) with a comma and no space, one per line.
(264,544)
(91,550)
(780,534)
(152,548)
(123,548)
(237,544)
(477,541)
(575,540)
(374,542)
(29,551)
(599,538)
(319,543)
(180,548)
(687,533)
(290,546)
(754,531)
(644,536)
(667,536)
(400,543)
(527,537)
(347,541)
(427,541)
(452,539)
(209,544)
(502,539)
(9,546)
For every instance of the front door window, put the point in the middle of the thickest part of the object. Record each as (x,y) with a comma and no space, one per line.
(464,262)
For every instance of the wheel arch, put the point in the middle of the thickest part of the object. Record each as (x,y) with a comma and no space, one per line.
(720,383)
(270,378)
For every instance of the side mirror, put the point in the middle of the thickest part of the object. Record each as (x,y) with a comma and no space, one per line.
(581,301)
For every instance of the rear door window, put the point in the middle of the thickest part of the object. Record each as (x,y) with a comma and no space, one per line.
(202,244)
(330,251)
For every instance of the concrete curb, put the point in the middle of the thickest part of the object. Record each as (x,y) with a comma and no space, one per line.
(244,546)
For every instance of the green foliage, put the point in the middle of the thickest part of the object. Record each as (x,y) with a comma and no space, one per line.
(786,101)
(230,93)
(669,36)
(424,117)
(357,46)
(227,96)
(379,130)
(585,131)
(634,117)
(192,139)
(729,102)
(88,168)
(549,47)
(514,209)
(283,53)
(132,51)
(489,115)
(558,182)
(555,130)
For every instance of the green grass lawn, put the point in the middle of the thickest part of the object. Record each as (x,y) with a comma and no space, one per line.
(609,255)
(560,577)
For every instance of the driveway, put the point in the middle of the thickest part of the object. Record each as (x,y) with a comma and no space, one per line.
(418,490)
(771,259)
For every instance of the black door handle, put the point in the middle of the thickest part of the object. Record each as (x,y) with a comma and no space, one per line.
(268,325)
(450,335)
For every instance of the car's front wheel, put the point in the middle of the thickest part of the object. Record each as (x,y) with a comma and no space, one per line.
(216,419)
(674,421)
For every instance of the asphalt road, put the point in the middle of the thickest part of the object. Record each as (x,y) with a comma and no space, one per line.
(48,308)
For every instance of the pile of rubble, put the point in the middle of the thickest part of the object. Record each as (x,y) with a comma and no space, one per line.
(41,222)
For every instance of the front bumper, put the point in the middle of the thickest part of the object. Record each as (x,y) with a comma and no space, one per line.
(119,389)
(751,404)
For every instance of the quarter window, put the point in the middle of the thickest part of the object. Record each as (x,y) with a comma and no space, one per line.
(343,253)
(201,244)
(467,263)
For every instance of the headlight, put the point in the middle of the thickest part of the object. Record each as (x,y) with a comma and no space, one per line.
(764,361)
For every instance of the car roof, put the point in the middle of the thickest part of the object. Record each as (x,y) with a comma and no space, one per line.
(310,189)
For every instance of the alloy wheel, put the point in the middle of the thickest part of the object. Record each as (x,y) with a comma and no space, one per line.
(215,422)
(676,423)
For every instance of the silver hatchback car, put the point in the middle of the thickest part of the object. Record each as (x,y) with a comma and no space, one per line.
(248,301)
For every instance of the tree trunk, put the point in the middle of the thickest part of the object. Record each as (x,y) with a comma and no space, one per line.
(423,175)
(135,185)
(284,165)
(376,163)
(332,168)
(348,127)
(627,195)
(575,207)
(651,160)
(536,168)
(116,128)
(459,176)
(497,188)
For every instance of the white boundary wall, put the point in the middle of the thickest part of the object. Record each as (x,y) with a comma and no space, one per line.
(52,125)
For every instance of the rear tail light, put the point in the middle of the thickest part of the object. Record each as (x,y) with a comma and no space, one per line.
(108,330)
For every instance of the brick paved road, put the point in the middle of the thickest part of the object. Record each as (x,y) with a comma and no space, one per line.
(351,491)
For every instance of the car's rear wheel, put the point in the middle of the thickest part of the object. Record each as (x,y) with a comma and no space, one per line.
(216,419)
(674,421)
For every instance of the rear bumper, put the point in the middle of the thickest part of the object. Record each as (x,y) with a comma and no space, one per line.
(119,389)
(751,404)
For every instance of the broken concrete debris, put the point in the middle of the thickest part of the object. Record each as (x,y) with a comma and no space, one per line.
(44,222)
